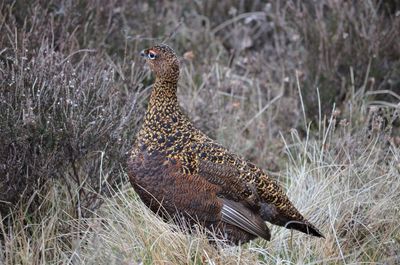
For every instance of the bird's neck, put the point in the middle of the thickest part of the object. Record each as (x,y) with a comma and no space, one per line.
(163,94)
(162,115)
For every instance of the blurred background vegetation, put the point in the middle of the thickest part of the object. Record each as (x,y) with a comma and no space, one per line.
(73,89)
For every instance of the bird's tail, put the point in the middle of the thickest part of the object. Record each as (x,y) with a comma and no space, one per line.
(293,221)
(305,227)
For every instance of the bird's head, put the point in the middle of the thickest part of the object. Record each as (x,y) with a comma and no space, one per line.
(162,61)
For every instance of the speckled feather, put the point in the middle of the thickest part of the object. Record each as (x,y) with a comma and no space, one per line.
(200,165)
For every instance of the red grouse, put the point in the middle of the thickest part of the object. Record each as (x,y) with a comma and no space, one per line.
(179,171)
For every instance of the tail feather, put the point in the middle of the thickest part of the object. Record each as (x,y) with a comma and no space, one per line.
(305,227)
(271,214)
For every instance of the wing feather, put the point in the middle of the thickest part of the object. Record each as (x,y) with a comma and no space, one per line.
(237,214)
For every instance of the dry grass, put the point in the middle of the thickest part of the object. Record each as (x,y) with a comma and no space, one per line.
(262,80)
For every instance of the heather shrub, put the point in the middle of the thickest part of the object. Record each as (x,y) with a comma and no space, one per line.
(66,113)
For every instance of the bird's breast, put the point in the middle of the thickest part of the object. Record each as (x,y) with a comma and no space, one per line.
(176,146)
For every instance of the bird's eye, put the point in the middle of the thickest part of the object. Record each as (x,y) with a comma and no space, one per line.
(152,55)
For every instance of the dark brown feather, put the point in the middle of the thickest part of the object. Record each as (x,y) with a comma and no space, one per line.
(173,194)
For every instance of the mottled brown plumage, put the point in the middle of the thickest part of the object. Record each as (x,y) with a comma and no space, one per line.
(177,170)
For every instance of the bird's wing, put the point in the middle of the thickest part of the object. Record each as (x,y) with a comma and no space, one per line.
(239,199)
(225,176)
(225,169)
(239,215)
(241,181)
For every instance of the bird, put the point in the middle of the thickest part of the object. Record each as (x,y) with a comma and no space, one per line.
(180,172)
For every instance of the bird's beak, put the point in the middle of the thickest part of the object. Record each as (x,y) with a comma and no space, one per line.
(143,53)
